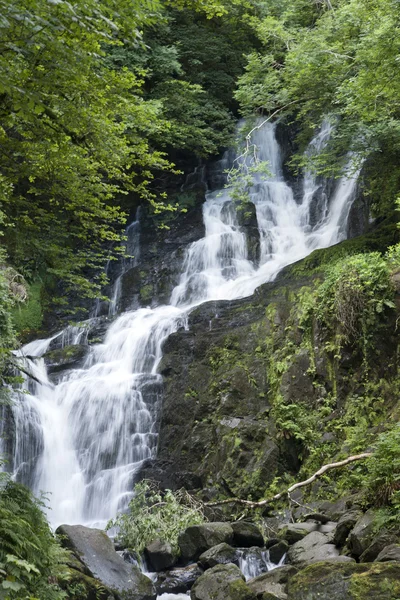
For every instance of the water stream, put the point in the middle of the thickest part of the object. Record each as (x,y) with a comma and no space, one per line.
(83,440)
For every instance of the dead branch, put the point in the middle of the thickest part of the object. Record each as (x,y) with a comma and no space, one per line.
(309,481)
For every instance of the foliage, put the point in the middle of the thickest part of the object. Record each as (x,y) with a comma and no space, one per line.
(30,558)
(355,292)
(153,515)
(338,58)
(91,98)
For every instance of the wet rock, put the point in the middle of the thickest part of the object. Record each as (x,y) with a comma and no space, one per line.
(345,524)
(198,538)
(278,551)
(96,552)
(69,357)
(383,539)
(223,582)
(179,580)
(273,583)
(160,555)
(362,534)
(390,553)
(312,548)
(346,581)
(246,535)
(221,554)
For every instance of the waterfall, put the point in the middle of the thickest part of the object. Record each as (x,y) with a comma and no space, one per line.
(83,440)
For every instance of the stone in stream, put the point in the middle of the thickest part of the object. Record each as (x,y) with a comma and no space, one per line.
(278,551)
(221,554)
(96,552)
(246,535)
(160,555)
(178,580)
(198,538)
(223,582)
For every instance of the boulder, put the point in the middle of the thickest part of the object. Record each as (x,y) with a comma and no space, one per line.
(160,555)
(274,582)
(346,581)
(246,534)
(221,554)
(383,539)
(177,581)
(198,538)
(312,548)
(223,582)
(390,553)
(278,551)
(294,532)
(96,552)
(345,524)
(362,534)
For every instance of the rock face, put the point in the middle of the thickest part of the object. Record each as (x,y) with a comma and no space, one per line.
(223,582)
(96,552)
(346,581)
(198,538)
(160,555)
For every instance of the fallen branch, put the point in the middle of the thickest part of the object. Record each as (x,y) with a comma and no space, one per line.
(295,486)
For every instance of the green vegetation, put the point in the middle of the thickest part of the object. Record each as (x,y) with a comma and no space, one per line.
(153,515)
(31,561)
(334,59)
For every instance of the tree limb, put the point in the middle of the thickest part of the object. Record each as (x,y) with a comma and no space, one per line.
(295,486)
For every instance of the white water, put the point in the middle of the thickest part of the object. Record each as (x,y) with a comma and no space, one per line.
(84,439)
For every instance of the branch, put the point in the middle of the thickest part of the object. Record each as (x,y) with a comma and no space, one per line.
(294,487)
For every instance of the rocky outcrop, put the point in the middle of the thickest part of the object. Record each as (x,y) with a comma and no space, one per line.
(95,551)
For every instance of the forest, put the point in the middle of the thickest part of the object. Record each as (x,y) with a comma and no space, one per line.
(107,109)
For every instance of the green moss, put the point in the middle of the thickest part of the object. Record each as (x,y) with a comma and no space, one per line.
(146,293)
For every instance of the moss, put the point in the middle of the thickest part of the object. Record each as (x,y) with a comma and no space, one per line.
(348,581)
(146,293)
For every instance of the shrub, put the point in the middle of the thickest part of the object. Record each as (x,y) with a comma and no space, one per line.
(155,515)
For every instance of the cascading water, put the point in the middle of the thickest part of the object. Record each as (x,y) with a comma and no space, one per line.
(84,439)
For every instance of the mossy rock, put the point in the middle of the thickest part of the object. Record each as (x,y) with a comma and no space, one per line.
(346,581)
(65,358)
(82,587)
